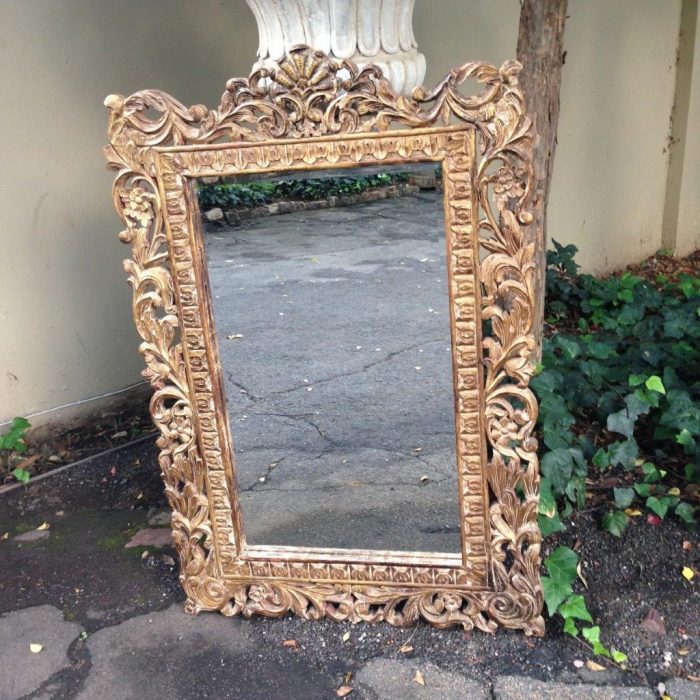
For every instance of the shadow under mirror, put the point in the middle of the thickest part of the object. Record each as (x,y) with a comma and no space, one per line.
(330,300)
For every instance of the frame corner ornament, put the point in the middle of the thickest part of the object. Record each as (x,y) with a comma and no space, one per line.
(311,109)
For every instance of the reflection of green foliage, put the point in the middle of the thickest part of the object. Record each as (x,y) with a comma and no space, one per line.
(255,194)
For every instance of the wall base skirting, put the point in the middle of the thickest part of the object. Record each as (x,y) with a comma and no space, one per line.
(48,425)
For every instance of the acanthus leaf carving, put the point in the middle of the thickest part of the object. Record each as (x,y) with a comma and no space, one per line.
(325,106)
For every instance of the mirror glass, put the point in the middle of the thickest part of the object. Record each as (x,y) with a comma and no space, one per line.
(330,300)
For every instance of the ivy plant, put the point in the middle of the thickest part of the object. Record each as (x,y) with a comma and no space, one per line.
(12,444)
(619,393)
(619,402)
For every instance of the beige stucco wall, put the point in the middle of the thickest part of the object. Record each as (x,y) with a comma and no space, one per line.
(617,90)
(688,231)
(65,324)
(65,328)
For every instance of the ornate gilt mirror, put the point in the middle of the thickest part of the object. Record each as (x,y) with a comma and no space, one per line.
(342,389)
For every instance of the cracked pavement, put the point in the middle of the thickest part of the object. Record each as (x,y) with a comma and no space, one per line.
(334,338)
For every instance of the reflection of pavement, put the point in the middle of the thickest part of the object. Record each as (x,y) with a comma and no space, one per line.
(340,387)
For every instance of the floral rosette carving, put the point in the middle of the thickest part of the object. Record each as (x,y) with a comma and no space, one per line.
(307,96)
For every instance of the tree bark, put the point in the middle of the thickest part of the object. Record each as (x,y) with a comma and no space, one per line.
(540,50)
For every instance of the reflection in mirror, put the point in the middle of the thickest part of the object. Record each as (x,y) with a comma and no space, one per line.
(329,292)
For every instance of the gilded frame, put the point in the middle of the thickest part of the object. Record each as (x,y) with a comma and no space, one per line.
(311,111)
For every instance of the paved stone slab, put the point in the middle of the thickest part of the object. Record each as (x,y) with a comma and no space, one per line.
(169,654)
(25,671)
(680,689)
(157,517)
(33,536)
(151,537)
(158,655)
(522,688)
(393,678)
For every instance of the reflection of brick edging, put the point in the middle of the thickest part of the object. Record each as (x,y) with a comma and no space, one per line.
(236,216)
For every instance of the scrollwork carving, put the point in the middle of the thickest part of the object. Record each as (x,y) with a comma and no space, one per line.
(310,110)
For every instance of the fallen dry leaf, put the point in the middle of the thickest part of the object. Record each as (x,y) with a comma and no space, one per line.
(683,651)
(26,463)
(44,526)
(675,491)
(593,666)
(580,575)
(653,622)
(35,648)
(633,512)
(406,649)
(343,691)
(5,536)
(290,644)
(346,636)
(688,573)
(418,678)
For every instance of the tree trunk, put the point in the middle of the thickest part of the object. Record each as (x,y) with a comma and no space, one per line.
(540,50)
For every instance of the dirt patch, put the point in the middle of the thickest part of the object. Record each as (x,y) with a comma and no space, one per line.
(104,431)
(666,265)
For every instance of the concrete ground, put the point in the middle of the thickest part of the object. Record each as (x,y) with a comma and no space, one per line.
(110,624)
(83,615)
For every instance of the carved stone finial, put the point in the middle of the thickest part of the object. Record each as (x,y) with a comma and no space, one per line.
(362,31)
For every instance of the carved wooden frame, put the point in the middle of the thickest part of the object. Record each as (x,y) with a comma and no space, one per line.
(313,112)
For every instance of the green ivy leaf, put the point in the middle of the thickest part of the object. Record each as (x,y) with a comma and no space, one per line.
(555,591)
(643,490)
(686,512)
(685,437)
(548,526)
(601,459)
(657,506)
(623,454)
(570,627)
(619,657)
(615,522)
(575,607)
(561,564)
(569,346)
(623,497)
(621,422)
(21,475)
(654,383)
(14,438)
(592,636)
(558,466)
